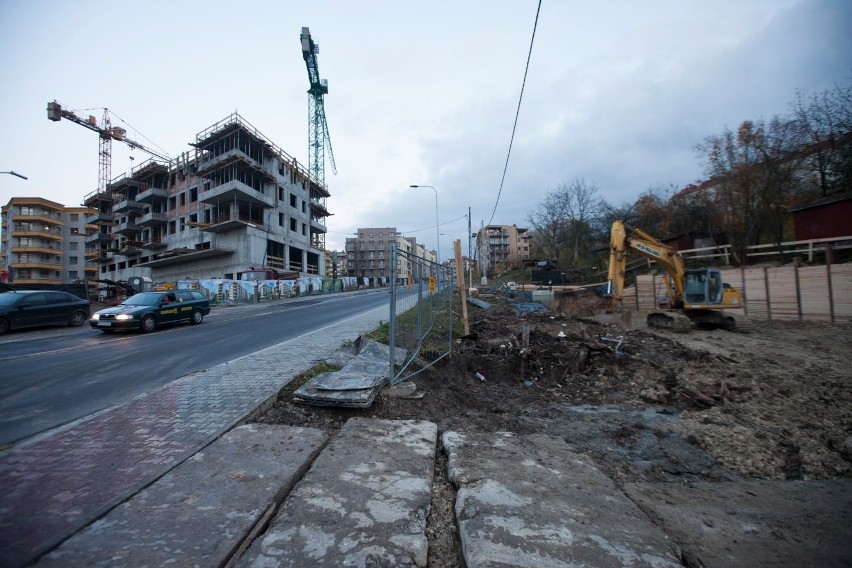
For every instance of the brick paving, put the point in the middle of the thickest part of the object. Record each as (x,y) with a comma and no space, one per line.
(56,484)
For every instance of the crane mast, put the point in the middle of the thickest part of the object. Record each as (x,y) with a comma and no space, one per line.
(106,134)
(318,137)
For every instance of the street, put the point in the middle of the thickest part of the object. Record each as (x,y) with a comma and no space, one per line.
(53,376)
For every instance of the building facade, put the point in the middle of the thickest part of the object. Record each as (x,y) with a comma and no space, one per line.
(44,242)
(369,254)
(234,203)
(503,246)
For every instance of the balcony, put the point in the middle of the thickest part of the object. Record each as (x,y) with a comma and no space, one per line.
(90,268)
(100,217)
(152,219)
(99,238)
(126,228)
(226,223)
(235,191)
(127,205)
(49,233)
(38,218)
(43,249)
(152,195)
(154,243)
(35,265)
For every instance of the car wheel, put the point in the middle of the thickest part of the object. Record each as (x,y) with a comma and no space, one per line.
(149,323)
(4,326)
(77,319)
(197,317)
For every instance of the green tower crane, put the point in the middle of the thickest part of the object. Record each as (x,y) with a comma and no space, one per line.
(318,138)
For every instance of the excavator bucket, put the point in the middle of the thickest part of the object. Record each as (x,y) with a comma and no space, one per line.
(620,319)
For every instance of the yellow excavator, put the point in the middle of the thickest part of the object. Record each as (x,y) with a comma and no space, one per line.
(696,297)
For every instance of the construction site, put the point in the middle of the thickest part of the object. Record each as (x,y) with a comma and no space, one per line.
(234,203)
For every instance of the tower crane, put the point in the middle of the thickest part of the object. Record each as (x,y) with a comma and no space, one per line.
(317,126)
(107,134)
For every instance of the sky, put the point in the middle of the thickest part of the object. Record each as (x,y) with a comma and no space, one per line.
(618,93)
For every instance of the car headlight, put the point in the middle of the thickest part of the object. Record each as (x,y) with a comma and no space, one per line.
(124,317)
(96,317)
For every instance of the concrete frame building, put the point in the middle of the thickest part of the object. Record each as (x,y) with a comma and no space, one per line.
(236,202)
(44,242)
(369,254)
(503,246)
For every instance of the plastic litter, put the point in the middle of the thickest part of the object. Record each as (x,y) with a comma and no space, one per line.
(479,376)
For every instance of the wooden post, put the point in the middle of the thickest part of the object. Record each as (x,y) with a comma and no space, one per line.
(796,262)
(768,303)
(745,295)
(829,253)
(462,287)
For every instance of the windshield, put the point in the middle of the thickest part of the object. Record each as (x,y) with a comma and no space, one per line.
(143,299)
(9,298)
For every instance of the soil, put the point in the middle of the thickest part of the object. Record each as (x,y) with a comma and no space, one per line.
(774,404)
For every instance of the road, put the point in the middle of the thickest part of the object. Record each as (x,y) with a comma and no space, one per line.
(50,377)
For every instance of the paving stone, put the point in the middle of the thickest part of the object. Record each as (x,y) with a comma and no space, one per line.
(200,512)
(102,460)
(364,502)
(527,501)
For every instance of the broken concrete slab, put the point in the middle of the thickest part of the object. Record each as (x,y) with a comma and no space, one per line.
(529,501)
(357,384)
(364,502)
(754,523)
(201,511)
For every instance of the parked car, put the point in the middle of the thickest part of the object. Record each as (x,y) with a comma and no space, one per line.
(33,308)
(148,310)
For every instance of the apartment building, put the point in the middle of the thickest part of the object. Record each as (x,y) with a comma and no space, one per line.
(503,246)
(369,254)
(235,202)
(44,243)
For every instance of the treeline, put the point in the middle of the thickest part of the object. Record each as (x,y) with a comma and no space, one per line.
(756,174)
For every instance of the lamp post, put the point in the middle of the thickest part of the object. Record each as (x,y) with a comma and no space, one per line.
(437,225)
(16,174)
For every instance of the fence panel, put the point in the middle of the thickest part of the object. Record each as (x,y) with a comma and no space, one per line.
(421,314)
(813,286)
(841,289)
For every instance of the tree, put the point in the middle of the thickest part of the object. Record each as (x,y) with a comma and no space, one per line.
(824,126)
(754,170)
(564,223)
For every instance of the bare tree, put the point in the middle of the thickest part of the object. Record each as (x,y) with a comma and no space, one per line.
(564,223)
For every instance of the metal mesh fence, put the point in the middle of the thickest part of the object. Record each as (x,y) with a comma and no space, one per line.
(421,314)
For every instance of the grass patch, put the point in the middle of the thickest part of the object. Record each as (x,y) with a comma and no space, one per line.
(302,378)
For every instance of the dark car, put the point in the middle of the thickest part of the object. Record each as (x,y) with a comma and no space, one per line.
(148,310)
(33,308)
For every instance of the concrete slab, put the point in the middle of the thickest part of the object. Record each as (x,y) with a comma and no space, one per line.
(528,501)
(364,502)
(356,385)
(201,511)
(754,523)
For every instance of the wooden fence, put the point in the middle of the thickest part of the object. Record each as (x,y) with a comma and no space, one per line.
(784,293)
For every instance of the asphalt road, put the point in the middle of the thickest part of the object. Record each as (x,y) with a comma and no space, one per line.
(50,377)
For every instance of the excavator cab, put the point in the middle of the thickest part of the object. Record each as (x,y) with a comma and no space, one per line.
(703,286)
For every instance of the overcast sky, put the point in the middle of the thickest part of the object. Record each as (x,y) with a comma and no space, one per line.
(618,92)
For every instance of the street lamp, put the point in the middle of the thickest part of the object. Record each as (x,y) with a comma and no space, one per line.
(437,225)
(15,174)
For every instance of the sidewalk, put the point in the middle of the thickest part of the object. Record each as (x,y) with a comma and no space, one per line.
(56,484)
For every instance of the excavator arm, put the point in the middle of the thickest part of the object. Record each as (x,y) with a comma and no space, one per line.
(623,239)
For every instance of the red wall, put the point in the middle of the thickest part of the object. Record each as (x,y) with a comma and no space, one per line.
(825,221)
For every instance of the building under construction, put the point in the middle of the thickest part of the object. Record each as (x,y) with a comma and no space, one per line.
(235,202)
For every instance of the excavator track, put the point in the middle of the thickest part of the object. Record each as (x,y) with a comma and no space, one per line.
(672,321)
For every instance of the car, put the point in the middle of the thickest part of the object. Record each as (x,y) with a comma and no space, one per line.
(33,308)
(147,311)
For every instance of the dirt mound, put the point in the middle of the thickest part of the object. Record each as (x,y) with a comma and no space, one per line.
(774,404)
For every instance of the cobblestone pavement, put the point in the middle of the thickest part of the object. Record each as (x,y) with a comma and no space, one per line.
(56,484)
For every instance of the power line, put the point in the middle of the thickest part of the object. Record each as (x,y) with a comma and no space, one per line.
(517,113)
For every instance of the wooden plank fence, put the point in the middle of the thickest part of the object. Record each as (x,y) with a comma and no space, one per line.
(819,293)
